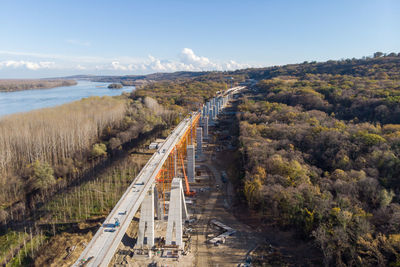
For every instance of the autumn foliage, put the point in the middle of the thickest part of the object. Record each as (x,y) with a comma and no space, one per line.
(321,154)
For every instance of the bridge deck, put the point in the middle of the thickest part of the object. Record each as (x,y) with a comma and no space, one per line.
(105,242)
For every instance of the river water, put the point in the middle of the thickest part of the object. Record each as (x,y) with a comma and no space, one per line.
(22,101)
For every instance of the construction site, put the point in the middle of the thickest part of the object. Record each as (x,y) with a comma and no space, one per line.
(185,198)
(207,234)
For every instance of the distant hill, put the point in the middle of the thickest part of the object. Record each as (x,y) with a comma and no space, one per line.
(366,66)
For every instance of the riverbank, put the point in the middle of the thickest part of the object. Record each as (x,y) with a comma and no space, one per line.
(21,85)
(27,100)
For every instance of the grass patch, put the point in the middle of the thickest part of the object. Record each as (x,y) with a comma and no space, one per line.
(27,253)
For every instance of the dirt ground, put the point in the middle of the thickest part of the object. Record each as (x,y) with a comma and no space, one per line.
(57,252)
(209,203)
(217,206)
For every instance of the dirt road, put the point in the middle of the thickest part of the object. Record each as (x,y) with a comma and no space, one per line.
(213,205)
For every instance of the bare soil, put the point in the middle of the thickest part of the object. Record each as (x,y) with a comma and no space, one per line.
(56,251)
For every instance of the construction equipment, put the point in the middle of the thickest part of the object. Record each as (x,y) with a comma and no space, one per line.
(187,191)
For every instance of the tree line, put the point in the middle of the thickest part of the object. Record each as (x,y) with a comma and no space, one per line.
(182,95)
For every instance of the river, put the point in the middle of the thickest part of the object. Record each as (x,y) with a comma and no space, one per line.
(22,101)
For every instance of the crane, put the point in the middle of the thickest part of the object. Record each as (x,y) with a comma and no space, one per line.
(187,191)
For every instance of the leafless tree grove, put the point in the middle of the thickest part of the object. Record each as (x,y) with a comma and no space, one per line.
(52,135)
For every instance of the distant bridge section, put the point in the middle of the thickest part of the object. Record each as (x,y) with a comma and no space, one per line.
(233,90)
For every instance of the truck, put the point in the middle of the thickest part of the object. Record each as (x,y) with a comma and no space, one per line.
(224,177)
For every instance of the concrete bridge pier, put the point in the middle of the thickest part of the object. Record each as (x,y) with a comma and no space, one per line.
(205,128)
(157,206)
(146,221)
(177,206)
(199,141)
(215,112)
(190,163)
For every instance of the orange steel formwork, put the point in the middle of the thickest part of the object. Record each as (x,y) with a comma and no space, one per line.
(170,167)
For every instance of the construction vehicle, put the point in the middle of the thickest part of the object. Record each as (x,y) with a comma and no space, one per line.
(187,191)
(224,177)
(84,262)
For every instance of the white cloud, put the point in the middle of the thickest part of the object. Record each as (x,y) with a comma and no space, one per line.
(187,60)
(117,66)
(26,64)
(188,57)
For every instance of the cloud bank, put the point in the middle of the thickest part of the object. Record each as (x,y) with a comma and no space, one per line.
(26,64)
(187,60)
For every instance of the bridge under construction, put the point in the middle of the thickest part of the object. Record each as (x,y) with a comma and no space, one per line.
(157,188)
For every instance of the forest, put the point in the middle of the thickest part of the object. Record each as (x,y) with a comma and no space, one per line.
(45,150)
(320,145)
(368,66)
(115,86)
(18,85)
(188,94)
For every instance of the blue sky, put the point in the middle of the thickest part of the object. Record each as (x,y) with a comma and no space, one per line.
(56,38)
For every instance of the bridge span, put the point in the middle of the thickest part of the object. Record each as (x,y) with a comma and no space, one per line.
(104,243)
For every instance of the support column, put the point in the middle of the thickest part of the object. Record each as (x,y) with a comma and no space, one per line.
(157,205)
(146,221)
(199,141)
(184,208)
(190,163)
(175,213)
(205,128)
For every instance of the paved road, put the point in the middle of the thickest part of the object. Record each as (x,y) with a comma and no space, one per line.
(103,245)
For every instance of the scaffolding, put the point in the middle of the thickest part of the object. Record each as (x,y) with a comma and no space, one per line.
(171,166)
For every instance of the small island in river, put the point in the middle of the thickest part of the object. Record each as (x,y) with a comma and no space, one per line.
(115,86)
